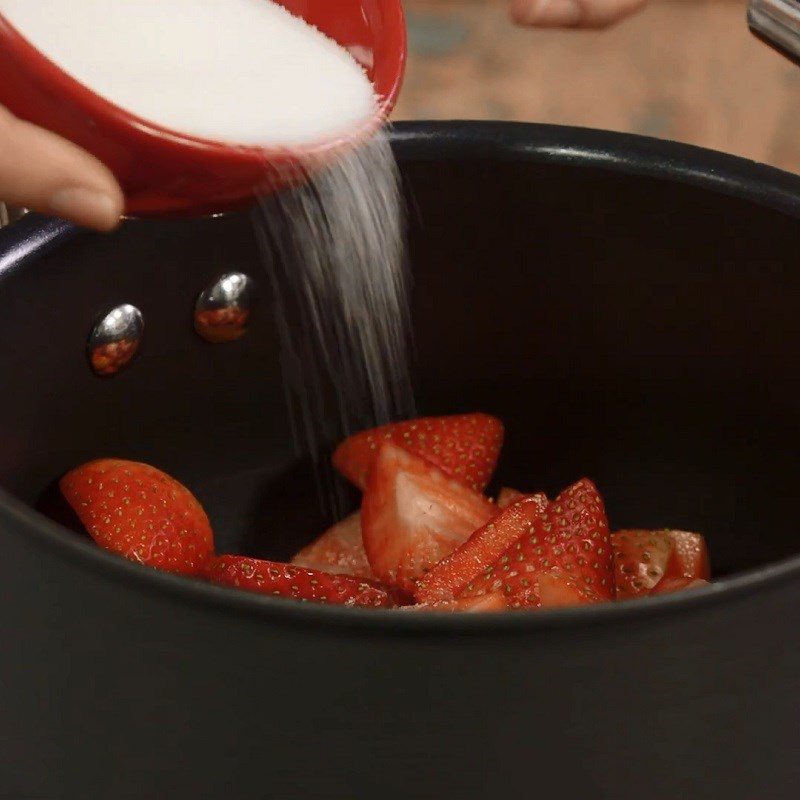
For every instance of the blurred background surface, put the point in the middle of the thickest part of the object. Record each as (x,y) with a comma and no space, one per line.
(687,70)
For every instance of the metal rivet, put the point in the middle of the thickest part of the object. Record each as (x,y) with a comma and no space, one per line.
(115,339)
(10,214)
(223,308)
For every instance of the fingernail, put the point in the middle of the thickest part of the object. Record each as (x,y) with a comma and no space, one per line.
(86,206)
(553,13)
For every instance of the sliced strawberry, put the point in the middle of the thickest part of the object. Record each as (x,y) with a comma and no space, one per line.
(640,561)
(413,515)
(559,590)
(671,585)
(690,556)
(642,558)
(553,589)
(465,447)
(508,497)
(298,583)
(452,574)
(469,605)
(141,513)
(340,549)
(572,536)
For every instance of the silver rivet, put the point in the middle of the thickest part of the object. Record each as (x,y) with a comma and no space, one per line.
(10,214)
(223,308)
(115,339)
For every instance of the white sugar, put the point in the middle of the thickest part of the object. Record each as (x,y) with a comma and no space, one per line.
(334,249)
(241,71)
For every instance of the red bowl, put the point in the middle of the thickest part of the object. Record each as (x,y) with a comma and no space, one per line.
(168,173)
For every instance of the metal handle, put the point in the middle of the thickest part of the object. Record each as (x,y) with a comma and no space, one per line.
(777,22)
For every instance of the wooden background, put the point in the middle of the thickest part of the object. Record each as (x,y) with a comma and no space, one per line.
(682,69)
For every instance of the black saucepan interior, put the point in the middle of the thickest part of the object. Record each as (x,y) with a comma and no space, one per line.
(637,330)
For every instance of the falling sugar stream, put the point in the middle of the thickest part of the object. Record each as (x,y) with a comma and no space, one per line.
(334,249)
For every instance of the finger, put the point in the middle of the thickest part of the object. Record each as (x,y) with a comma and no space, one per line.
(572,13)
(43,172)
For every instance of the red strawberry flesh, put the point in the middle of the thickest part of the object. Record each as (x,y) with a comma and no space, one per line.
(508,497)
(298,583)
(463,446)
(690,556)
(559,590)
(454,572)
(642,558)
(340,550)
(640,561)
(141,513)
(469,605)
(553,589)
(413,515)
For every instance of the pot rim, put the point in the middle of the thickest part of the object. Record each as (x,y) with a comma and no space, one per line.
(580,147)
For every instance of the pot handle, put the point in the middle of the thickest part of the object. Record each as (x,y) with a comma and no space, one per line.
(777,23)
(31,235)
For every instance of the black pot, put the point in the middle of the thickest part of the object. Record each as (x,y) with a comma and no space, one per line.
(630,308)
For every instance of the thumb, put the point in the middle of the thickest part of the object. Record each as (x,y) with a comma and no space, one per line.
(41,171)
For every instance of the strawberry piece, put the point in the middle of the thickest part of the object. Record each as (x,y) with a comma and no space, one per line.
(413,515)
(464,446)
(689,557)
(340,549)
(572,535)
(559,590)
(453,573)
(641,559)
(553,589)
(508,497)
(469,605)
(298,583)
(141,513)
(669,585)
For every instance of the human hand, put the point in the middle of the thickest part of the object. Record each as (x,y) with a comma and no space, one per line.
(43,172)
(572,13)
